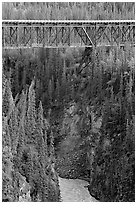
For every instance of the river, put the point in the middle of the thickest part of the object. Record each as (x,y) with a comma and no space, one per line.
(74,190)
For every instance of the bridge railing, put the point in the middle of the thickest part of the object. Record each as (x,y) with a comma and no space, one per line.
(50,33)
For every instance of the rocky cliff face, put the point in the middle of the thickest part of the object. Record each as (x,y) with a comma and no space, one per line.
(71,152)
(74,156)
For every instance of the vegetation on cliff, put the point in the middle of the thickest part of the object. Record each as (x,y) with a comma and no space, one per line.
(28,167)
(57,119)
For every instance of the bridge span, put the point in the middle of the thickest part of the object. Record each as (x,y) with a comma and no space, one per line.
(66,33)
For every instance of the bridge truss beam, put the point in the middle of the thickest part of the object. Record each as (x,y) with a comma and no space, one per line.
(31,33)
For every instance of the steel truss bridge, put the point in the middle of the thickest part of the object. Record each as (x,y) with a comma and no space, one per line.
(66,33)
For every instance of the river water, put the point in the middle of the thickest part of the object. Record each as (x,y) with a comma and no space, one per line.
(74,190)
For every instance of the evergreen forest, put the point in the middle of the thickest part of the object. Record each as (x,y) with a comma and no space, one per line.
(64,117)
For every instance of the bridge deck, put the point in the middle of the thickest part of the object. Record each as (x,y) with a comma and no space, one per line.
(63,33)
(66,22)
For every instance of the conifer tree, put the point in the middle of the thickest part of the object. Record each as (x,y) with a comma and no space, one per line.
(4,80)
(40,136)
(21,139)
(30,123)
(7,165)
(13,127)
(6,139)
(21,106)
(16,73)
(50,90)
(64,87)
(57,91)
(51,147)
(7,101)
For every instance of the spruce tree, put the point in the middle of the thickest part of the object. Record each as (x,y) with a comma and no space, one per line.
(51,148)
(6,139)
(7,165)
(7,100)
(40,137)
(50,90)
(21,106)
(4,80)
(30,123)
(13,127)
